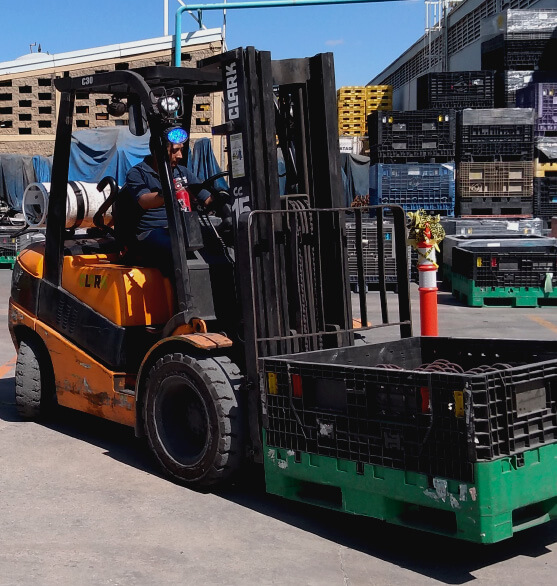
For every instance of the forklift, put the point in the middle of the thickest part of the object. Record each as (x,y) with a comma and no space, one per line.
(178,358)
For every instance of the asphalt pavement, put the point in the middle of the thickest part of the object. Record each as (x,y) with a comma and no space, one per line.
(82,502)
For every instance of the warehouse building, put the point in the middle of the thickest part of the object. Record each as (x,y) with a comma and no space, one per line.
(29,101)
(450,43)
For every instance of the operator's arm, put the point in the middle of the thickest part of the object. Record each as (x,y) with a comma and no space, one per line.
(203,196)
(144,195)
(150,200)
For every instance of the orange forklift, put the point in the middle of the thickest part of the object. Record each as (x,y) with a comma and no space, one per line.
(178,358)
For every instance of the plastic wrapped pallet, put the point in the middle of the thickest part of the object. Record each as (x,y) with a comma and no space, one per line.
(520,24)
(487,227)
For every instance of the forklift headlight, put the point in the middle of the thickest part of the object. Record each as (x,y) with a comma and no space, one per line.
(176,135)
(169,104)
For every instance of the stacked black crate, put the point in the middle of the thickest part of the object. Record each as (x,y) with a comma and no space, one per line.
(495,166)
(520,47)
(542,97)
(412,159)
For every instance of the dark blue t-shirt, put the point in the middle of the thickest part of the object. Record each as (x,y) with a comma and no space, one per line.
(143,179)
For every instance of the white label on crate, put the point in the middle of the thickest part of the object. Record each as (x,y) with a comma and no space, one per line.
(513,226)
(493,244)
(237,156)
(413,171)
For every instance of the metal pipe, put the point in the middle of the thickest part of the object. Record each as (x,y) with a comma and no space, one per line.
(236,5)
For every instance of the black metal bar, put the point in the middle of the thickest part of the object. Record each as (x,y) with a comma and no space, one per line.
(381,266)
(362,287)
(184,301)
(336,332)
(55,228)
(401,251)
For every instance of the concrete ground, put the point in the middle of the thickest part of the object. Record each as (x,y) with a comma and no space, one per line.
(81,502)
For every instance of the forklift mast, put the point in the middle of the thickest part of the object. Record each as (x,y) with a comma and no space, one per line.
(291,105)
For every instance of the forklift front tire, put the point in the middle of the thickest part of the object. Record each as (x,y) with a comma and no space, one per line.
(192,418)
(34,380)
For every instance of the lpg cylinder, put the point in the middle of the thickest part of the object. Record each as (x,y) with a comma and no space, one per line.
(83,201)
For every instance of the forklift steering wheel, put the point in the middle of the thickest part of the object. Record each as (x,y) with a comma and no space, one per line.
(195,188)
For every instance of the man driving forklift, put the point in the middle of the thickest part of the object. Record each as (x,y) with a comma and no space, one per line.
(144,185)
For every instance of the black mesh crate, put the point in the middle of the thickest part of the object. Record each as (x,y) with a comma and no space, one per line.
(496,134)
(431,405)
(508,207)
(542,97)
(429,186)
(510,54)
(499,261)
(545,197)
(456,89)
(421,136)
(503,179)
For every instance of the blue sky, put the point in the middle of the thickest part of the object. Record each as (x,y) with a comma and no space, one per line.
(364,38)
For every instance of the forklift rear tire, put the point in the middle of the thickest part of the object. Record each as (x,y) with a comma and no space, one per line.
(34,380)
(192,418)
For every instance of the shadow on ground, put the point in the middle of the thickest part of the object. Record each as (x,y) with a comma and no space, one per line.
(439,558)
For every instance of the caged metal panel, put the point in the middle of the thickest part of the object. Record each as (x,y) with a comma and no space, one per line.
(297,255)
(429,186)
(381,404)
(495,179)
(370,254)
(396,136)
(542,97)
(456,89)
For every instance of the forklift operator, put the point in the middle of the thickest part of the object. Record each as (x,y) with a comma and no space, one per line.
(143,182)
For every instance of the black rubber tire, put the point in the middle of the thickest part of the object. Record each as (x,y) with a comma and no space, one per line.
(34,380)
(203,392)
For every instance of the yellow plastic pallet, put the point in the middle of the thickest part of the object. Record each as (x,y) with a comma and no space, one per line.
(540,169)
(361,121)
(351,111)
(353,129)
(354,132)
(379,88)
(351,91)
(385,105)
(378,100)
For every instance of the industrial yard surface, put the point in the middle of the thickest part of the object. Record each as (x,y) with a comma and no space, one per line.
(82,502)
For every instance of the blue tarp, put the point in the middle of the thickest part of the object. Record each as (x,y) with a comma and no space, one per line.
(16,172)
(111,151)
(204,164)
(43,168)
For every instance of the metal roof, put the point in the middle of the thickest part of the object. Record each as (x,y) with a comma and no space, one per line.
(38,61)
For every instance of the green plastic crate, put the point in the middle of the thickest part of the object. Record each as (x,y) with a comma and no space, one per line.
(468,292)
(7,261)
(508,495)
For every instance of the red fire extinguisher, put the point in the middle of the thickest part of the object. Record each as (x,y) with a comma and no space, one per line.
(182,195)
